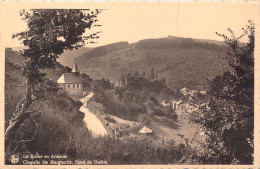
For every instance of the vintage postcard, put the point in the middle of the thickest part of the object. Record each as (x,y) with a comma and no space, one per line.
(129,84)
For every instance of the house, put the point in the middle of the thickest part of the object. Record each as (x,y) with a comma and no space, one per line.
(183,106)
(185,91)
(145,130)
(164,103)
(176,104)
(194,92)
(72,82)
(203,92)
(179,106)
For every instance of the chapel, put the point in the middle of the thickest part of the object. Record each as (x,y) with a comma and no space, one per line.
(72,82)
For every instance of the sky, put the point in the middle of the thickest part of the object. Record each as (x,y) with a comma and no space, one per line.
(136,21)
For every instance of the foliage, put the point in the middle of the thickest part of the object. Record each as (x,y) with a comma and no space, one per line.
(128,103)
(49,33)
(58,120)
(109,119)
(227,111)
(95,107)
(130,95)
(124,108)
(143,150)
(105,84)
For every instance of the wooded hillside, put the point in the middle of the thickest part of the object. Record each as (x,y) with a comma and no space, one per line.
(182,61)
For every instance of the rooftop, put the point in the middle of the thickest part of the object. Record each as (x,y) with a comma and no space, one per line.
(73,77)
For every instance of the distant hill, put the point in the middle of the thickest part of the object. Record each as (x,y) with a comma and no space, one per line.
(222,43)
(183,62)
(67,58)
(13,56)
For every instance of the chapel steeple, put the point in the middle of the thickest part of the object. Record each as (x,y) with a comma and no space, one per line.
(75,67)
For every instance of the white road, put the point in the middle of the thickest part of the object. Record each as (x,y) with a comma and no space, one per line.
(91,121)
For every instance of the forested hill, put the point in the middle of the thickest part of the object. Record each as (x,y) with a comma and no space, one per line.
(182,61)
(67,58)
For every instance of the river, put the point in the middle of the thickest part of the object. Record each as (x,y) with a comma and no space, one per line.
(91,121)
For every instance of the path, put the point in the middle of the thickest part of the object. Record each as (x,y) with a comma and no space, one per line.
(91,121)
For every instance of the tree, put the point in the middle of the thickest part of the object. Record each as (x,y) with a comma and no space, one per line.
(68,69)
(49,33)
(227,111)
(136,73)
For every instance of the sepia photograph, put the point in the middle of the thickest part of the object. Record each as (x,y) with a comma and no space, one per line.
(166,83)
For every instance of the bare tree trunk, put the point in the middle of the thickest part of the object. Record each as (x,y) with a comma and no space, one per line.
(29,87)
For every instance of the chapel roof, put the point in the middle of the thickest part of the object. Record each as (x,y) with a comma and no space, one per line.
(70,78)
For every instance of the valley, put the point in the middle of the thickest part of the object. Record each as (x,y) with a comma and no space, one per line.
(130,92)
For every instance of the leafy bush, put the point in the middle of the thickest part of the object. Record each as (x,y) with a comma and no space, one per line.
(227,111)
(125,108)
(143,150)
(110,119)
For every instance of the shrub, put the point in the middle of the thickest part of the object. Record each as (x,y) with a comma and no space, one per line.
(109,119)
(227,110)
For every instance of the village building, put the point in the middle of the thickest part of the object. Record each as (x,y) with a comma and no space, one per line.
(72,82)
(177,105)
(164,103)
(183,106)
(194,92)
(203,92)
(185,91)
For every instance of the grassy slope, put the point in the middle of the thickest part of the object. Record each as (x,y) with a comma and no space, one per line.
(58,111)
(15,82)
(175,59)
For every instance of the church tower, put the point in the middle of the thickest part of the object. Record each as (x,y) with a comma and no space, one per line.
(75,67)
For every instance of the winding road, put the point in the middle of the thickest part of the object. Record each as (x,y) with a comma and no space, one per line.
(91,121)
